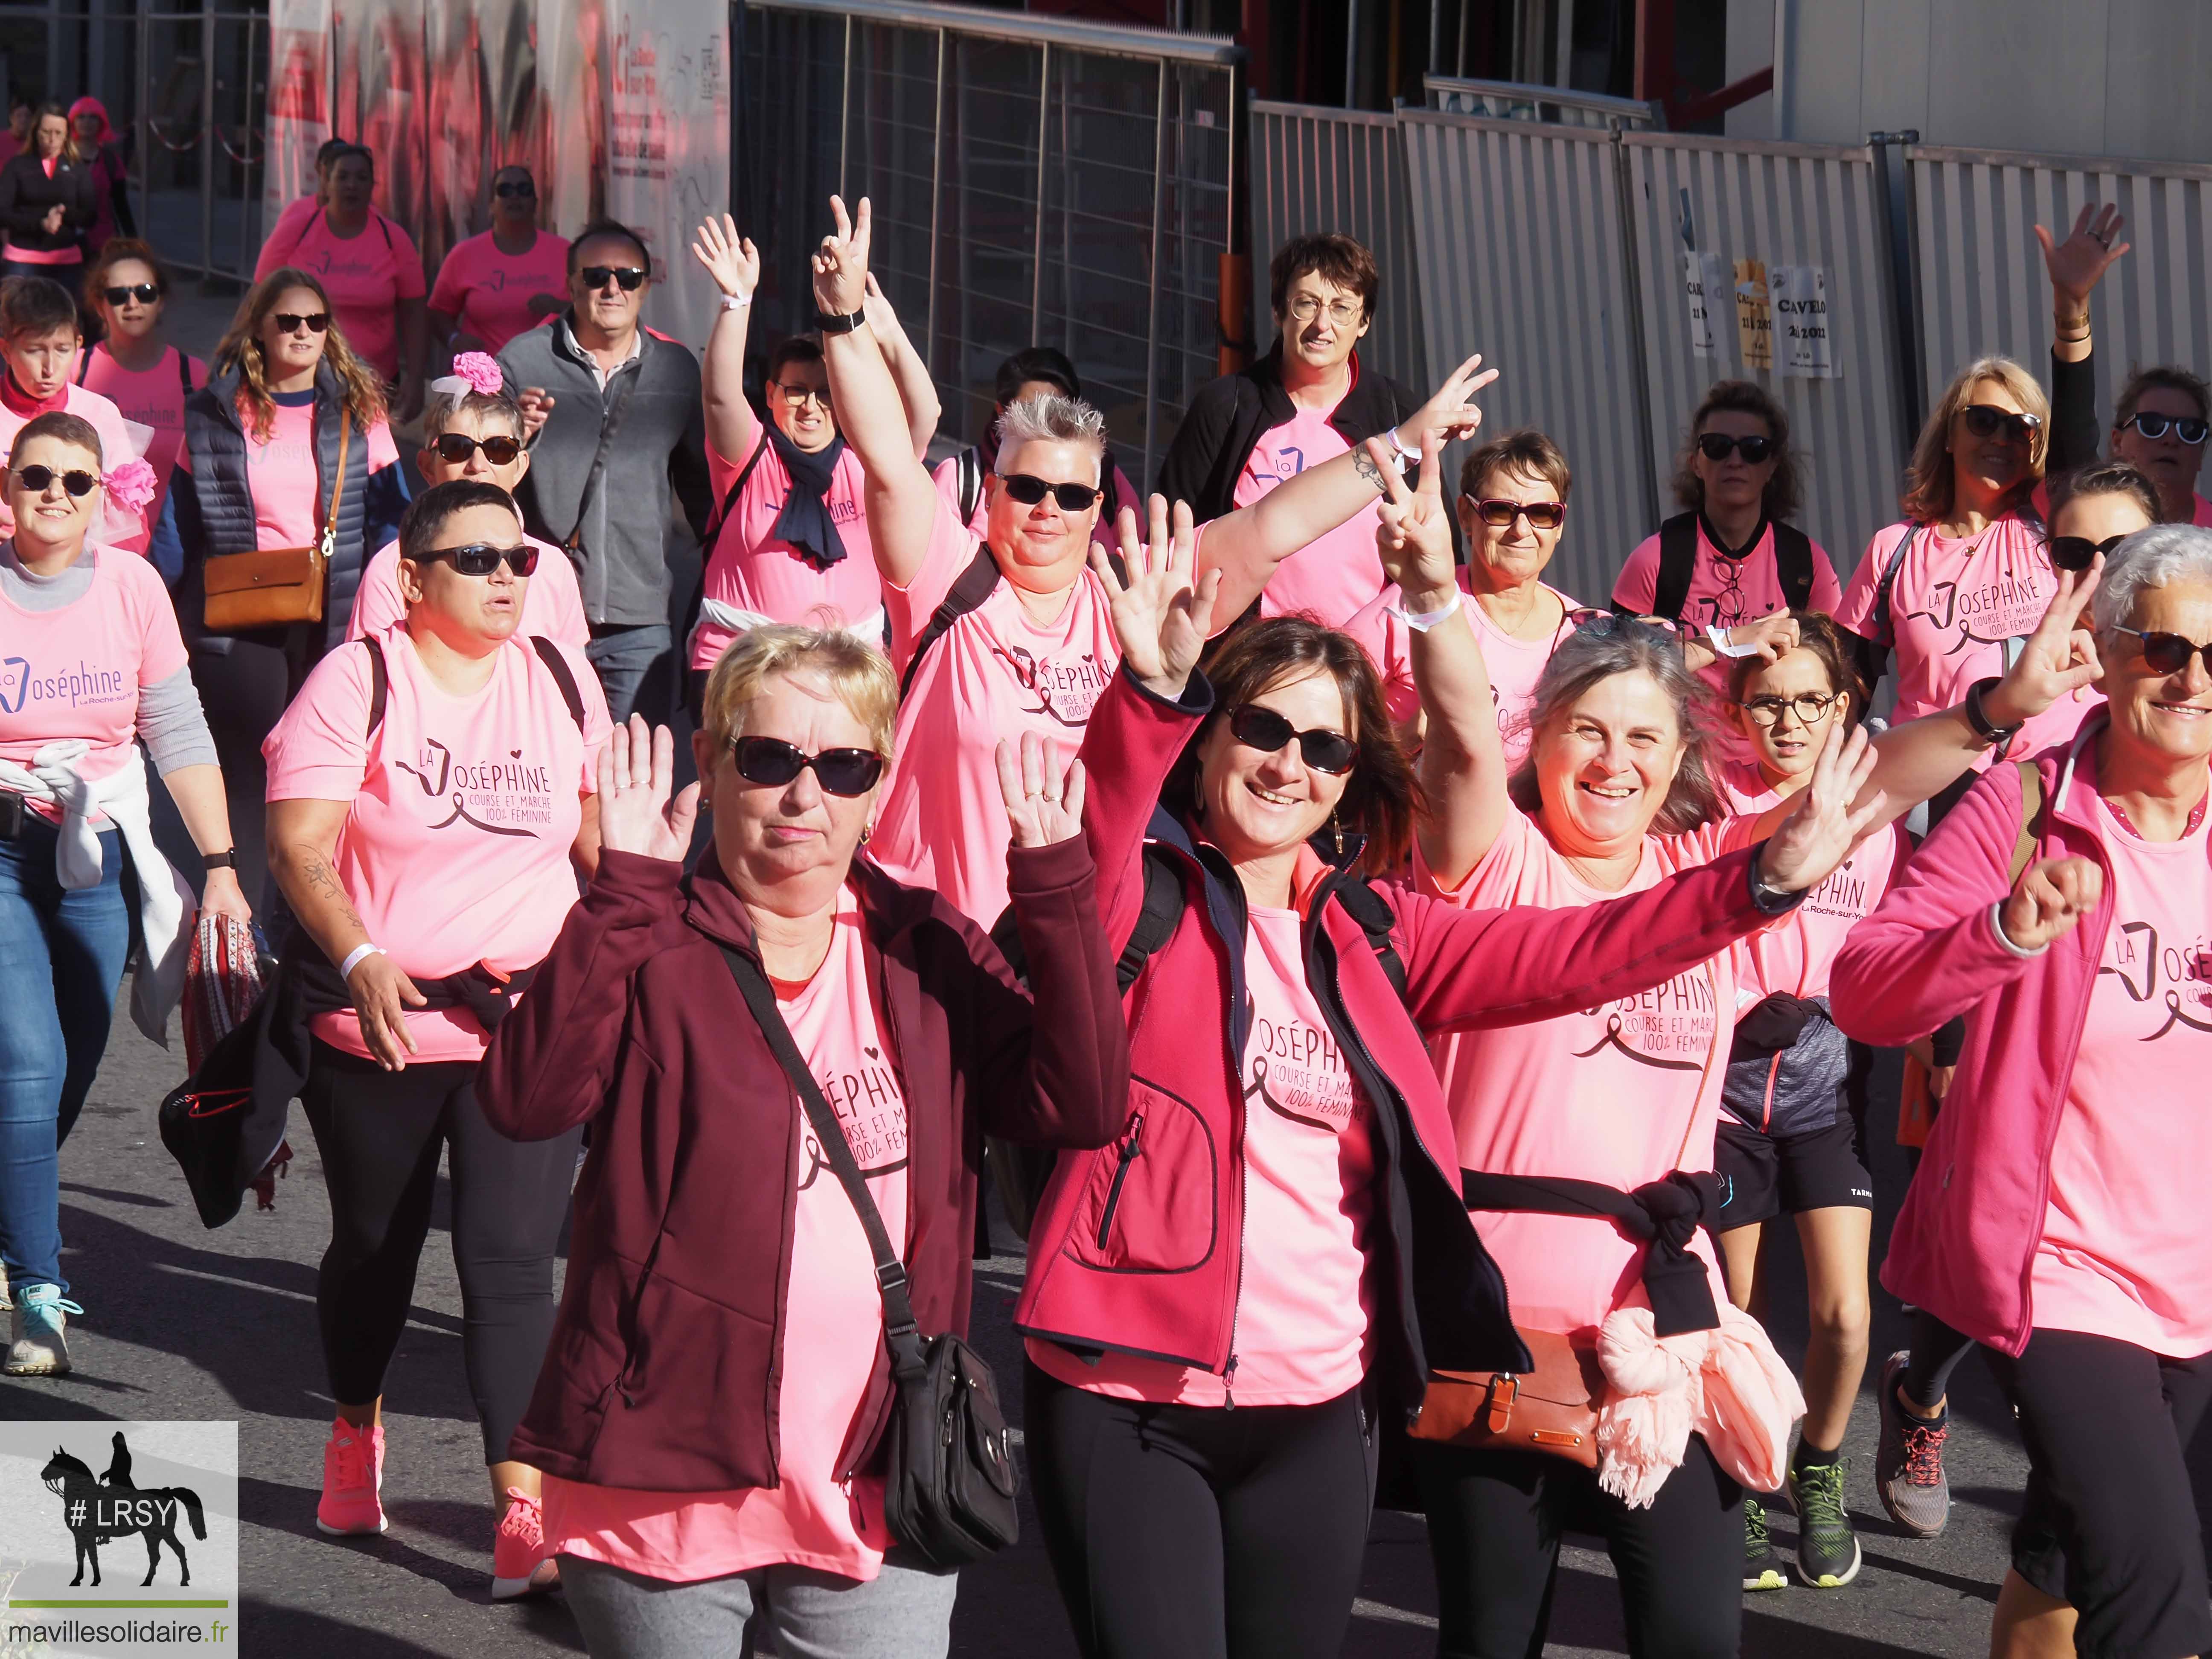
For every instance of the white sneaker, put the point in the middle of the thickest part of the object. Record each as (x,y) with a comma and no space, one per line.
(41,1348)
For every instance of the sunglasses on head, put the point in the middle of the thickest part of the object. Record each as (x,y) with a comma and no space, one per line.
(1600,624)
(456,448)
(1987,420)
(482,558)
(522,189)
(2169,653)
(1719,445)
(2187,428)
(2076,552)
(146,293)
(1265,730)
(288,322)
(39,479)
(630,277)
(1029,490)
(772,762)
(1541,515)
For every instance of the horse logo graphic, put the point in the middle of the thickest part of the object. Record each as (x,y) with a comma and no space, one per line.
(99,1511)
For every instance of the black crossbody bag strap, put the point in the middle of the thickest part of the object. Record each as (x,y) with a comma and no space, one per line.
(901,1334)
(610,424)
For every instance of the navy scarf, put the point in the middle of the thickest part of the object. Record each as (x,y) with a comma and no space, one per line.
(805,521)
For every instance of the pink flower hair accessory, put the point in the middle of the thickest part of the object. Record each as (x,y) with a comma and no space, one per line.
(481,370)
(132,486)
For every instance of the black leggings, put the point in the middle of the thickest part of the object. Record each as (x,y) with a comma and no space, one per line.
(1936,1353)
(1185,1532)
(379,1133)
(1495,1520)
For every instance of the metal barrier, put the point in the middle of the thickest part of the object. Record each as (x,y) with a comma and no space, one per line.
(1521,101)
(1041,181)
(1322,170)
(201,89)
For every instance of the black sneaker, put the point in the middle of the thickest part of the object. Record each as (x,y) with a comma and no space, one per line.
(1762,1567)
(1827,1547)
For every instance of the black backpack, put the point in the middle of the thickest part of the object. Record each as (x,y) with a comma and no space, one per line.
(1678,562)
(969,589)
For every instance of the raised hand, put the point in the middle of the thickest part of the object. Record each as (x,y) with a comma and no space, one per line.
(2077,263)
(730,259)
(2051,897)
(1044,799)
(637,768)
(1413,534)
(535,403)
(841,263)
(1821,829)
(1773,636)
(1161,616)
(1451,411)
(2058,659)
(381,995)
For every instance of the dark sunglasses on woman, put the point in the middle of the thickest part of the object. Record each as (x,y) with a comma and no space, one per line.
(1541,515)
(1987,420)
(39,479)
(456,448)
(288,322)
(1029,490)
(482,558)
(2169,653)
(2078,552)
(1265,730)
(2187,428)
(630,277)
(146,293)
(773,762)
(515,188)
(1719,445)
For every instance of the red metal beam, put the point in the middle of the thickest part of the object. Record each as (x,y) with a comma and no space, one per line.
(1704,106)
(1654,49)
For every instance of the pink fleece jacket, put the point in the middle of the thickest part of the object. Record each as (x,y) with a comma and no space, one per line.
(1965,1243)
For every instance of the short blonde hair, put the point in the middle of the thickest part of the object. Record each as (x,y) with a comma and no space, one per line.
(858,675)
(1930,486)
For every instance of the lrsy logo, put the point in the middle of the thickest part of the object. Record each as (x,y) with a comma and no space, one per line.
(97,1512)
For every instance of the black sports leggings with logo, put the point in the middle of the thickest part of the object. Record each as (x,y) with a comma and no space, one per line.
(380,1134)
(1189,1532)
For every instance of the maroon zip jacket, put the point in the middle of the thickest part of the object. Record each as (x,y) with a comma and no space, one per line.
(1139,1246)
(665,1359)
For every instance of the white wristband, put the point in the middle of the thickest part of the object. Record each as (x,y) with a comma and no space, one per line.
(736,301)
(1724,646)
(1422,620)
(1413,455)
(355,957)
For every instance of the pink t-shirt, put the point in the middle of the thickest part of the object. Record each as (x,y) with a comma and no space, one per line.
(2202,514)
(366,275)
(2123,1253)
(833,1333)
(1622,1093)
(551,603)
(1514,664)
(1302,1307)
(1336,576)
(1744,788)
(1723,592)
(290,223)
(154,397)
(946,475)
(289,506)
(994,674)
(489,292)
(76,672)
(1794,954)
(1953,605)
(118,526)
(455,850)
(754,577)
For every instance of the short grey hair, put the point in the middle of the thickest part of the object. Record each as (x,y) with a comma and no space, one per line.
(439,411)
(1053,418)
(2150,558)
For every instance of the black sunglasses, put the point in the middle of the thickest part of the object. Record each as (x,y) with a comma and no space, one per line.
(773,762)
(456,448)
(39,479)
(1029,490)
(1987,420)
(146,293)
(288,322)
(1265,730)
(2169,653)
(524,190)
(482,558)
(2187,428)
(630,277)
(1541,515)
(2076,552)
(1718,446)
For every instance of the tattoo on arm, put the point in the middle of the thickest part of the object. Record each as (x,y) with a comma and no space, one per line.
(315,871)
(1365,464)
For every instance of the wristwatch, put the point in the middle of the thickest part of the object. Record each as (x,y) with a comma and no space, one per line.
(830,323)
(226,860)
(1996,736)
(1770,901)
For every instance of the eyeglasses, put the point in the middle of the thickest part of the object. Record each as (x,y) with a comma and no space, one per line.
(1265,730)
(772,762)
(1029,490)
(1343,313)
(1541,515)
(630,277)
(1719,445)
(482,558)
(1810,707)
(2187,428)
(456,448)
(524,190)
(1987,420)
(796,394)
(39,479)
(288,322)
(146,293)
(2169,653)
(2078,552)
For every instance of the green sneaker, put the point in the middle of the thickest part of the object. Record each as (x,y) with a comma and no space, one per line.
(1762,1567)
(1827,1548)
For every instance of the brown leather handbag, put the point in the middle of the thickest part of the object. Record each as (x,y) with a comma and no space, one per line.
(1552,1409)
(276,586)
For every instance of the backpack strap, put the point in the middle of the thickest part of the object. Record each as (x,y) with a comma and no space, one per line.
(557,666)
(1793,563)
(379,686)
(730,501)
(1885,632)
(1375,918)
(1678,562)
(968,475)
(2033,807)
(84,365)
(969,589)
(184,371)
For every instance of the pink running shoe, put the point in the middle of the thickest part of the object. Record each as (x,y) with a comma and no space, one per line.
(520,1565)
(353,1475)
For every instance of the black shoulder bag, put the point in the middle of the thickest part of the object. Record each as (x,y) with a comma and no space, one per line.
(949,1476)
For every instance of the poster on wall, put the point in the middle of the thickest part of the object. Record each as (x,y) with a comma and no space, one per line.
(1799,295)
(1754,321)
(668,146)
(299,100)
(1705,280)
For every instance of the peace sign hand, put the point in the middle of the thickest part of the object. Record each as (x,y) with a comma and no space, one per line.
(1044,801)
(1412,536)
(1162,616)
(1821,829)
(1451,410)
(841,264)
(2059,659)
(730,259)
(2077,263)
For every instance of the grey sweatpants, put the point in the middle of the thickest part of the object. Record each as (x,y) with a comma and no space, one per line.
(791,1613)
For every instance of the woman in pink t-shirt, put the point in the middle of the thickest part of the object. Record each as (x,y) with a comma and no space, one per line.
(1513,508)
(431,809)
(511,277)
(134,366)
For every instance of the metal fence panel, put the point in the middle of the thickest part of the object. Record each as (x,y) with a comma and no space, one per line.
(1316,169)
(1520,100)
(1786,204)
(1519,247)
(1982,286)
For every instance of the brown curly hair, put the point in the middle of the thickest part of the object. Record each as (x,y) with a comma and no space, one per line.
(1785,485)
(241,347)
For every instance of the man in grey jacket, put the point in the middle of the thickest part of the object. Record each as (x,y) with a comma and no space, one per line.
(623,430)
